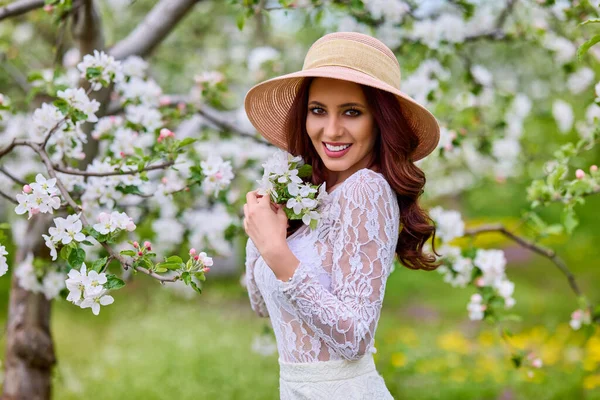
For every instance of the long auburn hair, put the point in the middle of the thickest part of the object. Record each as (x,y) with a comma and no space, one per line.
(394,143)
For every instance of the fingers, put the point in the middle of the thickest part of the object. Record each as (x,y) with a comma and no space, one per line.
(251,197)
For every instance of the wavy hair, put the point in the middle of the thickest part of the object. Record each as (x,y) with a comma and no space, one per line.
(391,154)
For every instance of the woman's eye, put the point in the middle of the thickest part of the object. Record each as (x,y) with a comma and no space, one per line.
(316,108)
(356,113)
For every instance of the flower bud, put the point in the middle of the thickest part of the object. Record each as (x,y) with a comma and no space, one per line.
(122,154)
(27,189)
(140,253)
(196,258)
(593,168)
(192,252)
(147,245)
(48,8)
(35,210)
(579,174)
(206,269)
(130,226)
(537,363)
(136,244)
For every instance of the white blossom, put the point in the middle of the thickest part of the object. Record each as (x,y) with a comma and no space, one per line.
(3,264)
(449,224)
(110,69)
(78,99)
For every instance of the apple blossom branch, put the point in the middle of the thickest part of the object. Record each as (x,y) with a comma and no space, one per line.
(65,193)
(52,171)
(548,253)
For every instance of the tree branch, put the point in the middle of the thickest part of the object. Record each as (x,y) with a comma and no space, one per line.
(13,144)
(11,176)
(548,253)
(65,193)
(153,29)
(7,197)
(72,171)
(19,7)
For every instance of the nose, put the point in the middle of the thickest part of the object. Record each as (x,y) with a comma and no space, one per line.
(333,127)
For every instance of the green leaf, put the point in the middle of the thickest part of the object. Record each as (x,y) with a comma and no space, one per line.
(174,259)
(200,276)
(586,46)
(186,142)
(305,171)
(64,252)
(113,283)
(129,189)
(129,253)
(186,277)
(87,243)
(160,270)
(169,265)
(570,220)
(241,19)
(4,225)
(517,360)
(196,288)
(76,258)
(99,264)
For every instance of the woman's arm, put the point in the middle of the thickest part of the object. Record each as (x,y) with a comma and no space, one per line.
(363,253)
(257,302)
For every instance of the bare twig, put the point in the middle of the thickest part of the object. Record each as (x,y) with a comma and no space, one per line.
(19,7)
(13,144)
(72,171)
(7,197)
(11,176)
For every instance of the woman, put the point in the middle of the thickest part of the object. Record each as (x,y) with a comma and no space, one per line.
(323,288)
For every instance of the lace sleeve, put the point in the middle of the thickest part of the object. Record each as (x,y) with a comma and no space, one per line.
(363,249)
(257,302)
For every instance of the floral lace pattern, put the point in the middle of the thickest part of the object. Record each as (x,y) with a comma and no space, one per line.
(331,307)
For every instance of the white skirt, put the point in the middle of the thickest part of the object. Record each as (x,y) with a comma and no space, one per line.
(332,380)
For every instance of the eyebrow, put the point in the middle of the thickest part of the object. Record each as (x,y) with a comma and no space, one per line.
(340,106)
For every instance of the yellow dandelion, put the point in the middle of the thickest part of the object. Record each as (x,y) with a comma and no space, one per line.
(398,360)
(591,382)
(453,341)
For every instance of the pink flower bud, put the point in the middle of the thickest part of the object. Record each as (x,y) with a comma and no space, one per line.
(164,180)
(122,154)
(192,251)
(576,314)
(35,210)
(537,363)
(112,118)
(219,175)
(593,168)
(27,189)
(530,373)
(479,282)
(448,147)
(48,8)
(483,307)
(164,132)
(140,253)
(136,244)
(196,258)
(579,174)
(181,106)
(147,244)
(206,269)
(187,189)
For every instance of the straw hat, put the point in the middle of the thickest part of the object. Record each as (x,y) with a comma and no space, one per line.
(349,56)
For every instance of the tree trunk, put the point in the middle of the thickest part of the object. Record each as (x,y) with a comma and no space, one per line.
(29,354)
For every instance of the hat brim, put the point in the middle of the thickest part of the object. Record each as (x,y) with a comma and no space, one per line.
(267,105)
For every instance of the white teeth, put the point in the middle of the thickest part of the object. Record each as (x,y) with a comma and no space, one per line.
(336,148)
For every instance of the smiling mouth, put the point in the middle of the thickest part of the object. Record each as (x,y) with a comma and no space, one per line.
(337,147)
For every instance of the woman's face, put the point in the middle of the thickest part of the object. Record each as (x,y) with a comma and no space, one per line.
(340,125)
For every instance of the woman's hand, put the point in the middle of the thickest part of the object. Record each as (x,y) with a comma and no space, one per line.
(265,223)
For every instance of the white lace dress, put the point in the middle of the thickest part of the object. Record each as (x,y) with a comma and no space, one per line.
(325,318)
